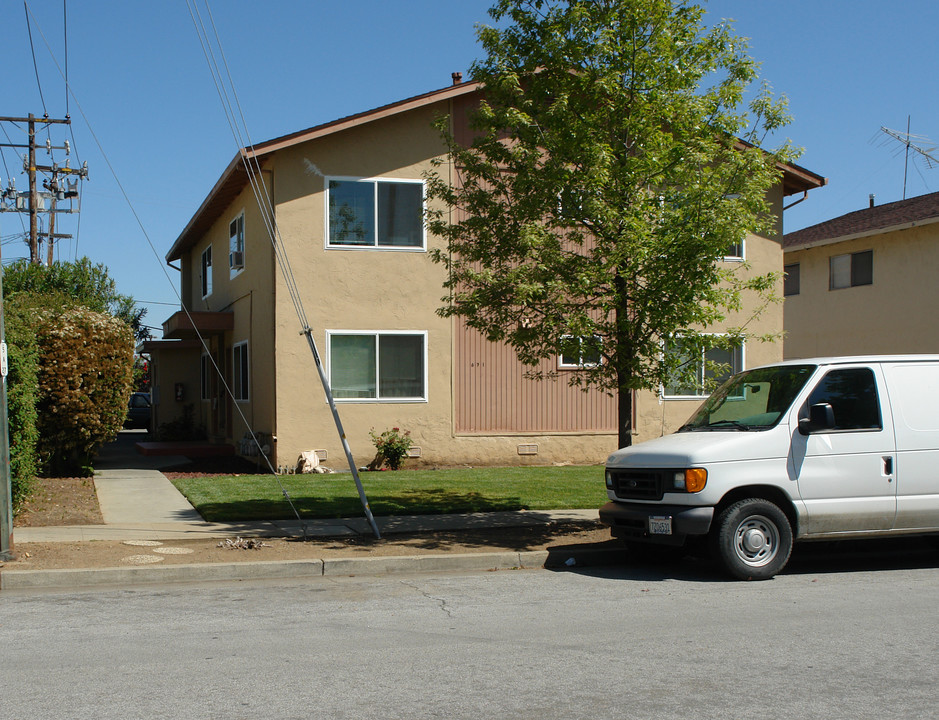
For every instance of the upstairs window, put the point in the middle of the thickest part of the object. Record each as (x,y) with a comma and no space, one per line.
(851,270)
(375,213)
(207,272)
(791,280)
(236,244)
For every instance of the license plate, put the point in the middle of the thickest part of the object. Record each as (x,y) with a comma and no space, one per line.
(660,525)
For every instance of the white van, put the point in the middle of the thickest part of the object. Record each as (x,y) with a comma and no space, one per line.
(821,448)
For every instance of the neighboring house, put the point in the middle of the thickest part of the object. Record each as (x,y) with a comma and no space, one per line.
(348,199)
(864,283)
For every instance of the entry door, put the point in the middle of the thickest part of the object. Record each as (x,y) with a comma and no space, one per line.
(846,476)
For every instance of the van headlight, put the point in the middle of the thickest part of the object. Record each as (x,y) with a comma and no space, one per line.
(691,480)
(609,479)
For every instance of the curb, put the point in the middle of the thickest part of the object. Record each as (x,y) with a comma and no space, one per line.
(78,578)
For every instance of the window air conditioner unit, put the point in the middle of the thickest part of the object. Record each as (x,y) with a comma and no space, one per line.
(236,259)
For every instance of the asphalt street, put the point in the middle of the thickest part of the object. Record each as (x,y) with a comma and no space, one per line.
(825,640)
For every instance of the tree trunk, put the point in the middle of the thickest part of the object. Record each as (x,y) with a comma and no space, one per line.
(624,415)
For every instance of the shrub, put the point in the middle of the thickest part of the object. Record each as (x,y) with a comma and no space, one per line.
(23,360)
(392,446)
(87,361)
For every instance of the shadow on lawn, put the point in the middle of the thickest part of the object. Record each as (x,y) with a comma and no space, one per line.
(407,502)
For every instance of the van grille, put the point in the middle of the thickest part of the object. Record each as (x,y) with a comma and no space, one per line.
(641,484)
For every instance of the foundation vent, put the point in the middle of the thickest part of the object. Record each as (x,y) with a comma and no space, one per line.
(414,451)
(321,454)
(528,449)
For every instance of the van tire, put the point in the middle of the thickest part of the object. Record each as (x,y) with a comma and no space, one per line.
(752,539)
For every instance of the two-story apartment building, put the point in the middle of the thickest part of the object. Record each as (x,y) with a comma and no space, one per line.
(348,198)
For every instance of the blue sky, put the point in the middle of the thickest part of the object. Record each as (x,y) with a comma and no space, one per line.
(145,92)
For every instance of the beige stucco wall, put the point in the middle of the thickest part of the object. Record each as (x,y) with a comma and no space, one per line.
(895,314)
(356,289)
(247,294)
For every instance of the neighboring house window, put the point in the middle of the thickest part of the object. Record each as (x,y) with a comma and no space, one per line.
(236,244)
(579,352)
(791,280)
(735,251)
(206,369)
(851,270)
(389,366)
(375,213)
(239,371)
(207,272)
(705,379)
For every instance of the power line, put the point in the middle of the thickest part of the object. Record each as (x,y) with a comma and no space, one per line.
(32,49)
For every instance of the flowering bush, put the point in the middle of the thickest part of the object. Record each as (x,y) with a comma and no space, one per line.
(392,446)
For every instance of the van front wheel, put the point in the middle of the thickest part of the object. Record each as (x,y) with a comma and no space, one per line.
(752,539)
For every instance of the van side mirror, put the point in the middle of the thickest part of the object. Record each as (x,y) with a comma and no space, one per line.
(821,417)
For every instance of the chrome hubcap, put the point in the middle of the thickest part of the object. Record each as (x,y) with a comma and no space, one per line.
(756,540)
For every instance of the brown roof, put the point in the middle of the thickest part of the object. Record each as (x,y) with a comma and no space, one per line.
(870,221)
(234,179)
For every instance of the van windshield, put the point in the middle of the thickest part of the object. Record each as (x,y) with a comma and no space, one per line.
(751,400)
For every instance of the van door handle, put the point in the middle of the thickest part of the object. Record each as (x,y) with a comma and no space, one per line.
(888,466)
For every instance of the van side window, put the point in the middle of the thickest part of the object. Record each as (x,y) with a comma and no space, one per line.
(852,394)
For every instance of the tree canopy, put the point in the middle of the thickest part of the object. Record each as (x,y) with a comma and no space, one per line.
(614,161)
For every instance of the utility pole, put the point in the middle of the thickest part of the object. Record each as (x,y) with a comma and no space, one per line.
(34,201)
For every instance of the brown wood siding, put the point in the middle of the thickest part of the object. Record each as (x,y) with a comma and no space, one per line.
(492,394)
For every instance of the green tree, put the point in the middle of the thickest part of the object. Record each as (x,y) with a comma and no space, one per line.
(613,164)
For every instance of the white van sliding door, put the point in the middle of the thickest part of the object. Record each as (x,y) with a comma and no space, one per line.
(914,394)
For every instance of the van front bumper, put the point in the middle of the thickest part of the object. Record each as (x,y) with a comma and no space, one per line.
(631,521)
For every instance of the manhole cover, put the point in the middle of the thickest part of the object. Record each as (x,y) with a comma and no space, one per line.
(143,543)
(141,559)
(173,551)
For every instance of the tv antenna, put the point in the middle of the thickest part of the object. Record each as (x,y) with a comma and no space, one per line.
(916,143)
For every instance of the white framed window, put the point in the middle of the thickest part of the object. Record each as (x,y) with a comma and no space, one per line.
(239,371)
(705,378)
(579,352)
(375,214)
(851,270)
(735,253)
(236,244)
(375,366)
(205,386)
(207,272)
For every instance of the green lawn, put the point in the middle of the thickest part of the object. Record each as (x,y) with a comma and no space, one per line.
(405,492)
